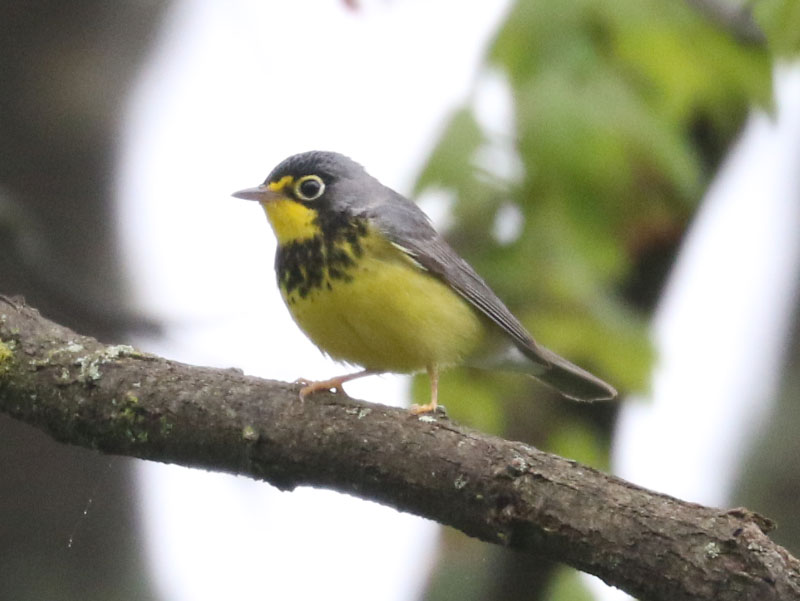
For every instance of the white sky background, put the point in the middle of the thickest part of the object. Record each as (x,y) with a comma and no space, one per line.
(231,89)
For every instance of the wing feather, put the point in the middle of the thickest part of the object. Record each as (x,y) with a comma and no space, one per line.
(410,230)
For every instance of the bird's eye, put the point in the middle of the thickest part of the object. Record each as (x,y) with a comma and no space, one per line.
(309,187)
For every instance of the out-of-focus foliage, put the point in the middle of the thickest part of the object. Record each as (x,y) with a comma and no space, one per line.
(780,20)
(620,114)
(621,111)
(567,584)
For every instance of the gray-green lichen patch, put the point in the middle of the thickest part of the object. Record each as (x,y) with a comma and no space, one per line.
(120,350)
(90,364)
(6,350)
(360,412)
(166,425)
(90,368)
(712,550)
(517,466)
(6,355)
(131,418)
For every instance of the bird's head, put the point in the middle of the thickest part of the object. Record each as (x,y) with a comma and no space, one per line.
(308,190)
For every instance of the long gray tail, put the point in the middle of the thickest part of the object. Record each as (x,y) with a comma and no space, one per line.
(569,379)
(551,369)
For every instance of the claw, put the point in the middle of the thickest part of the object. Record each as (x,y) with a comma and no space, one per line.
(420,409)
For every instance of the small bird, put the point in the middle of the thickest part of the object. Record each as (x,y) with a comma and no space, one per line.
(370,282)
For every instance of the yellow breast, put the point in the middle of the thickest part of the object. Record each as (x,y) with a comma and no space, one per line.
(373,306)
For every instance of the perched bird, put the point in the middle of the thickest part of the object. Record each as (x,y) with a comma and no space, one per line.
(371,283)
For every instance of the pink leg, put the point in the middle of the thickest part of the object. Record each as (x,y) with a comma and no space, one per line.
(433,375)
(310,387)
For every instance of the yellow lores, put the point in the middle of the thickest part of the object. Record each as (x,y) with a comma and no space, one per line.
(369,280)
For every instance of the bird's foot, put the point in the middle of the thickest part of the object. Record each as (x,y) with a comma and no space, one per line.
(312,386)
(429,408)
(421,409)
(335,384)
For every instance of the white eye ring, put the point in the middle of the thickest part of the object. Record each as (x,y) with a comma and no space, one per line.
(309,187)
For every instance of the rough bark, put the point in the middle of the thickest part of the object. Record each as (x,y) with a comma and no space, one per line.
(121,401)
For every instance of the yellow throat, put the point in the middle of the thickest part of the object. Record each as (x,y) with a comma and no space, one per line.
(290,220)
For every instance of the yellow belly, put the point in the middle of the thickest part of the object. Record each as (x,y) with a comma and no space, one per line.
(390,316)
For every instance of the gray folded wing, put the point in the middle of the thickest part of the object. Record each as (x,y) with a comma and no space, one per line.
(409,229)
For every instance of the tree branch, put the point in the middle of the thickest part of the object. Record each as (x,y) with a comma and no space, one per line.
(118,400)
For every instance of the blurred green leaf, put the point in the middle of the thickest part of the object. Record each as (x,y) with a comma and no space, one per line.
(580,442)
(622,112)
(568,585)
(611,343)
(452,156)
(780,20)
(609,101)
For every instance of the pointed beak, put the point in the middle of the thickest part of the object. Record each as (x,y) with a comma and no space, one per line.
(260,193)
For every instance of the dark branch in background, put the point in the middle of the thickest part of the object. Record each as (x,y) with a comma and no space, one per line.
(118,400)
(735,17)
(23,243)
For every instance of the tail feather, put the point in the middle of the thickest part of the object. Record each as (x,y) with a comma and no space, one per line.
(551,369)
(570,380)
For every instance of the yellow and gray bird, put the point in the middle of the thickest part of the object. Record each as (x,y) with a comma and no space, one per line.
(370,281)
